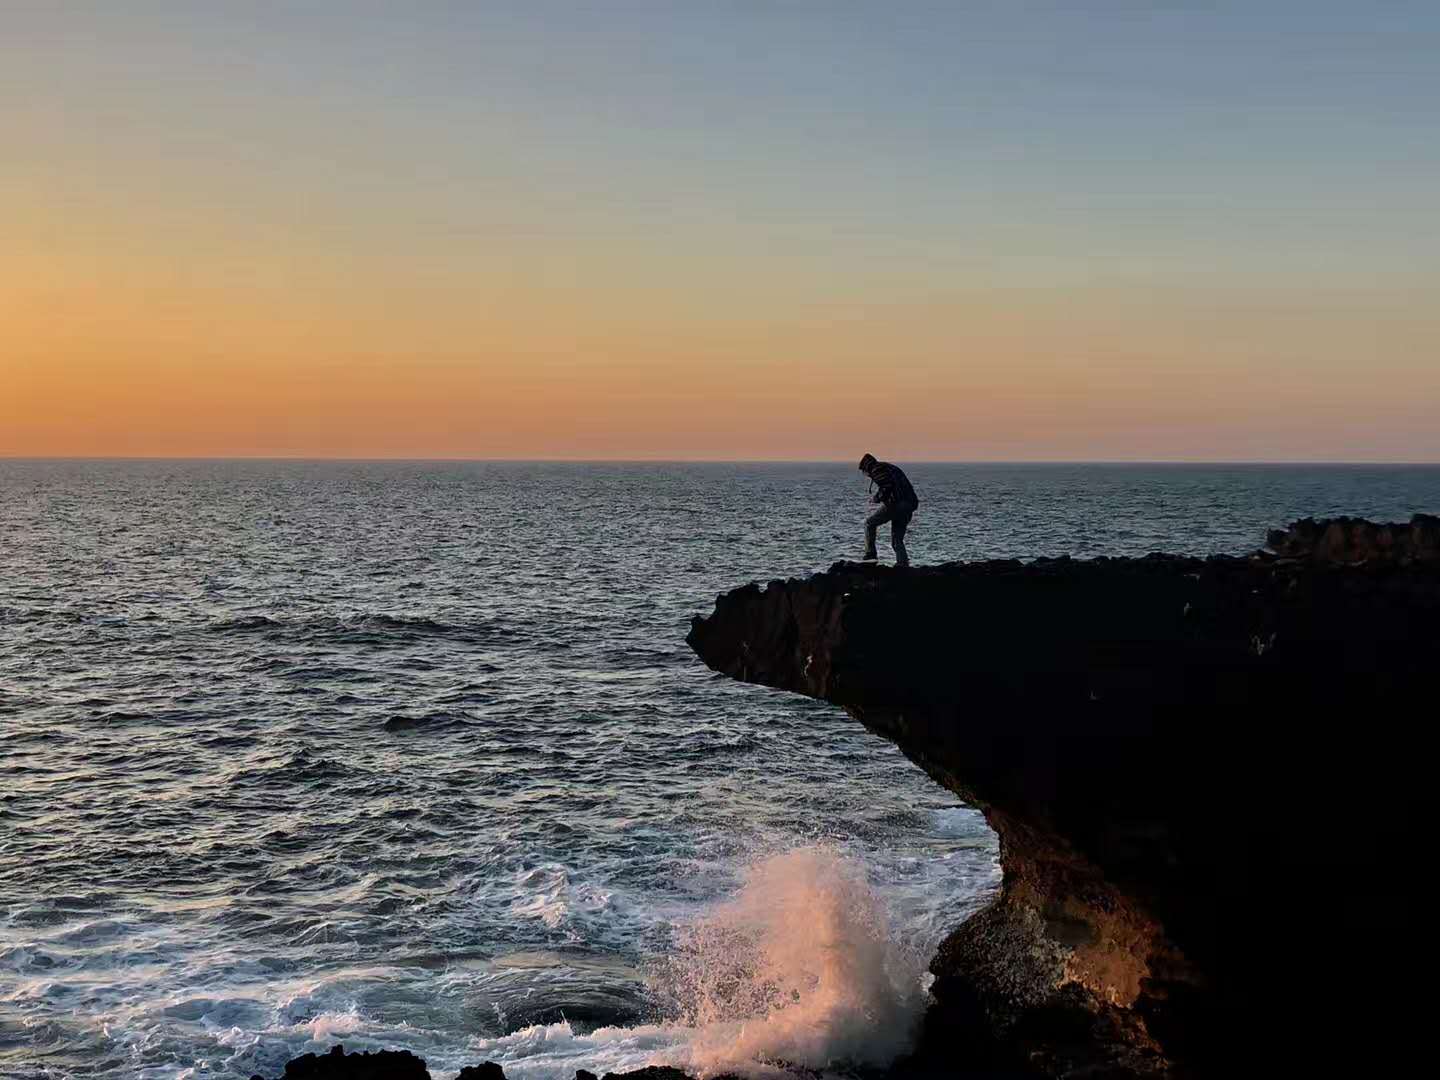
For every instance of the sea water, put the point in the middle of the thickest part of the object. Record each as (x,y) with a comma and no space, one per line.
(414,755)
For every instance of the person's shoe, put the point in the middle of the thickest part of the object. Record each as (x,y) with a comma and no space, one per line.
(869,556)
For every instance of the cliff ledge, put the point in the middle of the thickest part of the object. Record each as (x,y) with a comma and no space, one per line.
(1149,738)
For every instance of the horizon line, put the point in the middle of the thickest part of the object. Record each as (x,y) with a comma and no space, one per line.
(399,459)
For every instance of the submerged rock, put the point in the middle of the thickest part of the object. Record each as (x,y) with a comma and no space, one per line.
(1147,737)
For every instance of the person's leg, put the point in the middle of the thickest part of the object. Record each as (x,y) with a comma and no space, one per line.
(898,525)
(873,522)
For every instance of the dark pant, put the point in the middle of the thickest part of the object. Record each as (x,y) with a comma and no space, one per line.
(899,517)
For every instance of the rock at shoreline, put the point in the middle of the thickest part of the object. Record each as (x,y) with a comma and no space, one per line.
(1151,739)
(338,1065)
(1354,540)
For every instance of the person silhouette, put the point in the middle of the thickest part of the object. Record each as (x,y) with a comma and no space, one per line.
(898,503)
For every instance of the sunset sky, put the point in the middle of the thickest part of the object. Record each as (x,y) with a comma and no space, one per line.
(721,230)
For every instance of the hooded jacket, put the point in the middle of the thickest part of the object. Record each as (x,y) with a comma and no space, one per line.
(892,485)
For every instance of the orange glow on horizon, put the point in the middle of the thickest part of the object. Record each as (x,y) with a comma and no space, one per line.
(213,340)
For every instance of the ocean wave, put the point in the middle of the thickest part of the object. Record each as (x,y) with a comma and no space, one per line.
(546,893)
(801,967)
(18,616)
(300,766)
(556,1050)
(436,721)
(27,958)
(244,624)
(373,628)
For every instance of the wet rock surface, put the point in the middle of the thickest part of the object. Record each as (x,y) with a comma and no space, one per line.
(1147,737)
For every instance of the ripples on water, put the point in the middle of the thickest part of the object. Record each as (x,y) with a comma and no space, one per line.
(414,754)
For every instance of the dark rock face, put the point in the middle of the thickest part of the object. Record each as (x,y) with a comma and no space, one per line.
(338,1065)
(1146,737)
(1355,540)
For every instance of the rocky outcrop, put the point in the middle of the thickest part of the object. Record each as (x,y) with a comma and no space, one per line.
(336,1064)
(1149,738)
(1349,540)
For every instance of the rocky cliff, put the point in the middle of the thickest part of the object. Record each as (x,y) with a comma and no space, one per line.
(1153,740)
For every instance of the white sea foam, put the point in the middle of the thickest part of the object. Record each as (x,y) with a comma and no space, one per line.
(549,1051)
(547,893)
(958,821)
(802,963)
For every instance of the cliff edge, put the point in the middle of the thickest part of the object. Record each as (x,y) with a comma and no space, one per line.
(1149,738)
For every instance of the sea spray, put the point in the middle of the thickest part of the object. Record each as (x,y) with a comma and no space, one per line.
(799,968)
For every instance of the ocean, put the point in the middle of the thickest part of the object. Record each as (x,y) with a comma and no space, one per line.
(413,755)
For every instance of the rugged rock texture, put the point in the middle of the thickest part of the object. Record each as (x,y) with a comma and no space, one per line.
(1355,540)
(1153,740)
